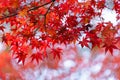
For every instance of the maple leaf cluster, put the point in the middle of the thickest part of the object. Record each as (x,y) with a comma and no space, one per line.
(37,26)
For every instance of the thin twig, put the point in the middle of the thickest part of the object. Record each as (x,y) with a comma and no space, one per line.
(33,8)
(11,15)
(45,19)
(36,7)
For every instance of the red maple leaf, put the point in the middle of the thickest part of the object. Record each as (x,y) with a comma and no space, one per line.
(56,52)
(109,48)
(110,44)
(2,28)
(21,57)
(37,57)
(84,42)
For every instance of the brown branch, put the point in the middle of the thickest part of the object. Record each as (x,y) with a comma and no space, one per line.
(8,16)
(45,19)
(36,7)
(33,8)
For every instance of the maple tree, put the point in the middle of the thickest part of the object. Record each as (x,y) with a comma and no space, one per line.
(36,26)
(34,29)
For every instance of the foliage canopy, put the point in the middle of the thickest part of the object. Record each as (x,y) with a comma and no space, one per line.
(34,28)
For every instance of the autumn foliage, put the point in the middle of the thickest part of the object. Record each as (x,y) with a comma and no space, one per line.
(34,29)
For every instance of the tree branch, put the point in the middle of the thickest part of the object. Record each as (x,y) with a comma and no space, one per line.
(33,8)
(45,19)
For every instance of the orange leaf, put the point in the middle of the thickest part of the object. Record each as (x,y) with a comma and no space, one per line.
(23,13)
